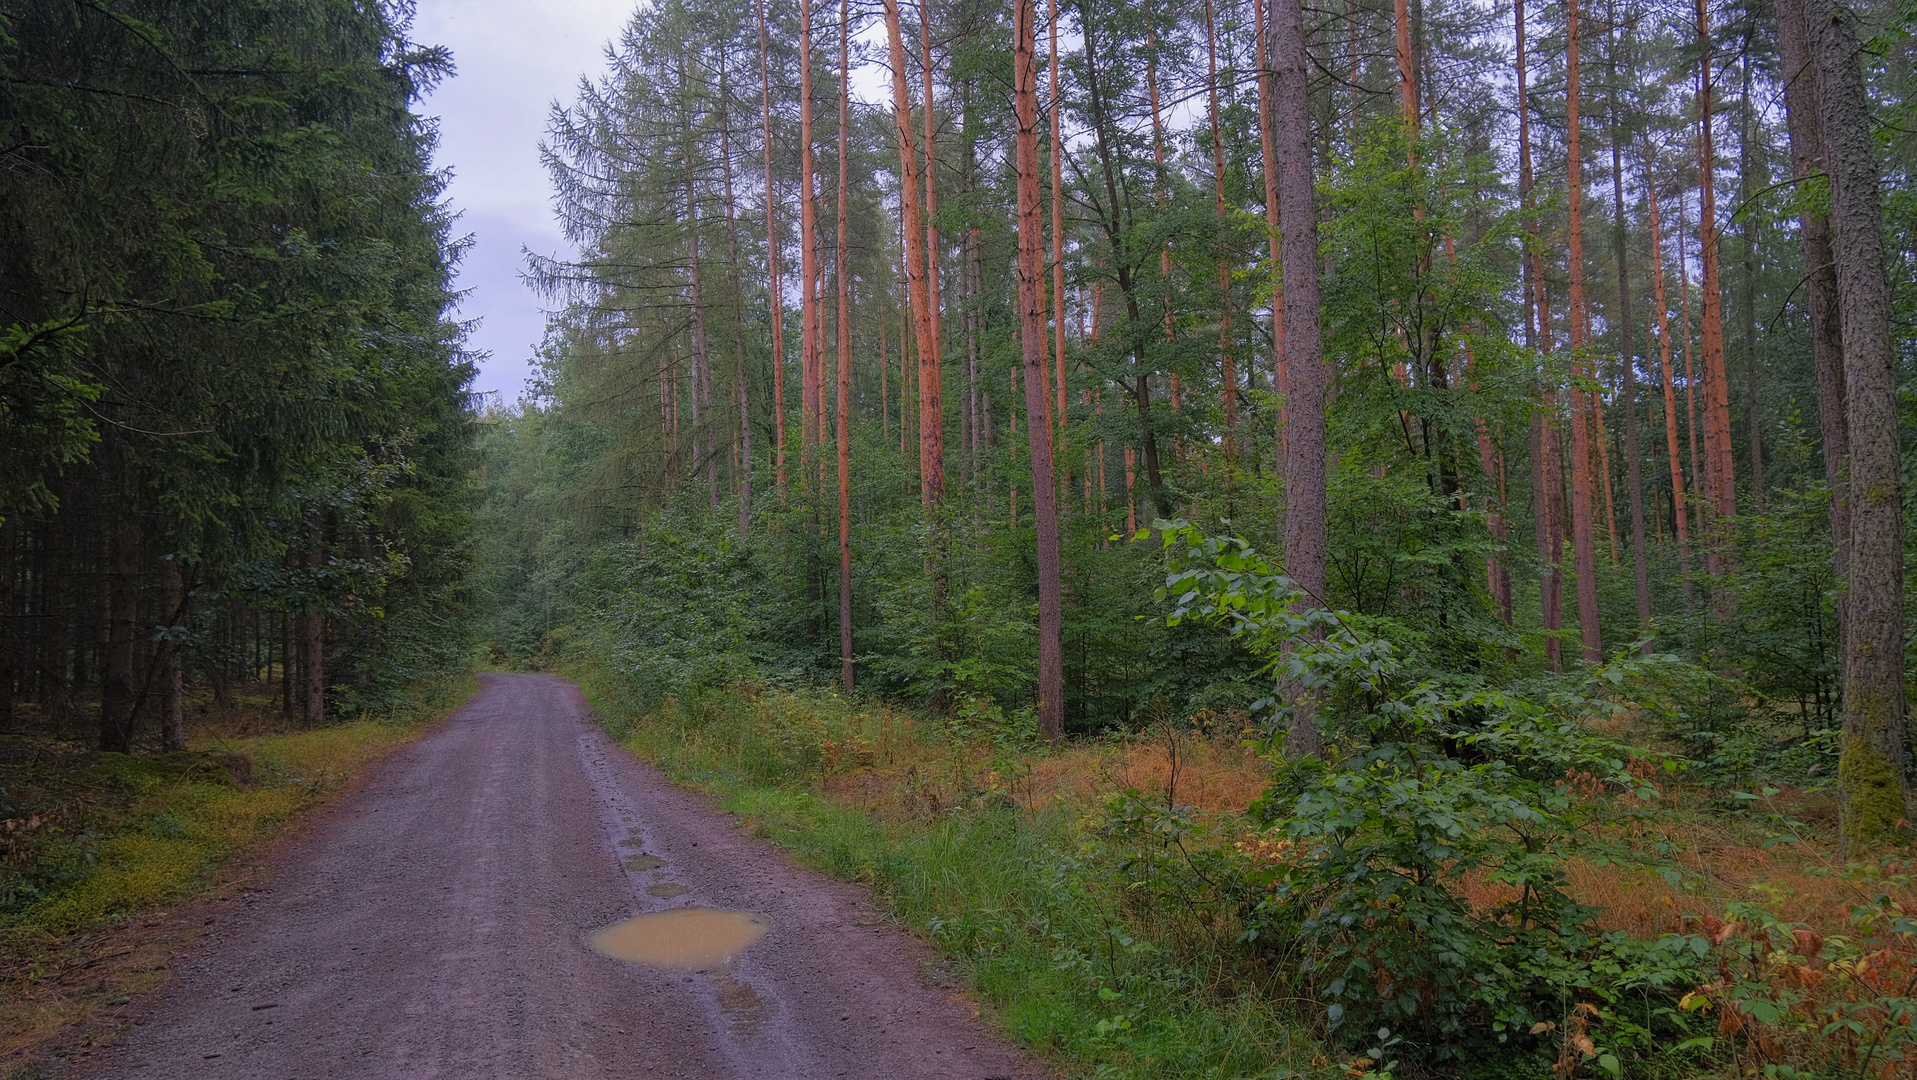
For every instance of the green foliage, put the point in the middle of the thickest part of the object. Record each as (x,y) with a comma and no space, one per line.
(1036,909)
(226,277)
(1419,883)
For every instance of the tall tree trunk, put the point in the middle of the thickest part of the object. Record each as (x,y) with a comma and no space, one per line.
(1538,331)
(1304,348)
(842,270)
(705,432)
(1051,657)
(1269,150)
(1060,381)
(1583,542)
(1627,352)
(742,434)
(811,355)
(933,359)
(1228,369)
(1804,113)
(1873,801)
(1700,476)
(931,429)
(1680,519)
(313,645)
(1164,202)
(1747,184)
(118,690)
(172,665)
(1717,403)
(775,290)
(1407,66)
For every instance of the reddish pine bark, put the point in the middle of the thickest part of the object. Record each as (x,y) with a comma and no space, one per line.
(931,433)
(934,309)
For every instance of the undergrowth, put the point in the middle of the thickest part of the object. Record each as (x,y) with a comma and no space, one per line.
(965,831)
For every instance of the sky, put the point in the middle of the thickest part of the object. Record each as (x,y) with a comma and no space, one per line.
(514,59)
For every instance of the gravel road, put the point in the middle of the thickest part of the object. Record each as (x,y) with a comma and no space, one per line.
(435,923)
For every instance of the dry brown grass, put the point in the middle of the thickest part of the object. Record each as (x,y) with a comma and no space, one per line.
(900,774)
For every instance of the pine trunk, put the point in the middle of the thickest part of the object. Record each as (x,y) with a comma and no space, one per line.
(313,646)
(842,271)
(811,355)
(1680,519)
(1873,800)
(775,290)
(931,434)
(1051,661)
(172,665)
(118,689)
(1717,402)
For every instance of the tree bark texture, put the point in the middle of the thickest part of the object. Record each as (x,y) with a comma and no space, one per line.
(1873,799)
(1304,343)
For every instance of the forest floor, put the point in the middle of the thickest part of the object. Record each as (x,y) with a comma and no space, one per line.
(442,919)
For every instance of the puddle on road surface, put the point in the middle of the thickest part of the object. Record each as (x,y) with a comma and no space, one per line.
(643,862)
(667,890)
(689,939)
(741,1004)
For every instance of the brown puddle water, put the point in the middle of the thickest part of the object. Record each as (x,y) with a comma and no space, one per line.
(741,1004)
(643,861)
(689,939)
(667,890)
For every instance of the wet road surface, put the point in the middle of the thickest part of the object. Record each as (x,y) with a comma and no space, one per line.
(438,922)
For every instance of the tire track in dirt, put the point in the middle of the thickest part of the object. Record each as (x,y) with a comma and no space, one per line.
(436,925)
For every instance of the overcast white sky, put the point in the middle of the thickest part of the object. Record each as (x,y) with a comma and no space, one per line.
(514,57)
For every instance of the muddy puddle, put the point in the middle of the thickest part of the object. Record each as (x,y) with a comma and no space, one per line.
(643,862)
(689,939)
(667,890)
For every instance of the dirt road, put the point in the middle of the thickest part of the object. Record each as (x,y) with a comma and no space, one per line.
(437,924)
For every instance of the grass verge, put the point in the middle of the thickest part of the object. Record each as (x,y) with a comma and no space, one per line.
(1002,853)
(95,847)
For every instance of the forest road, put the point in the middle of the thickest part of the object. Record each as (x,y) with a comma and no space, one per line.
(438,923)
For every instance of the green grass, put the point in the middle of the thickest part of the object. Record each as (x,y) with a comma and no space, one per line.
(1028,905)
(99,839)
